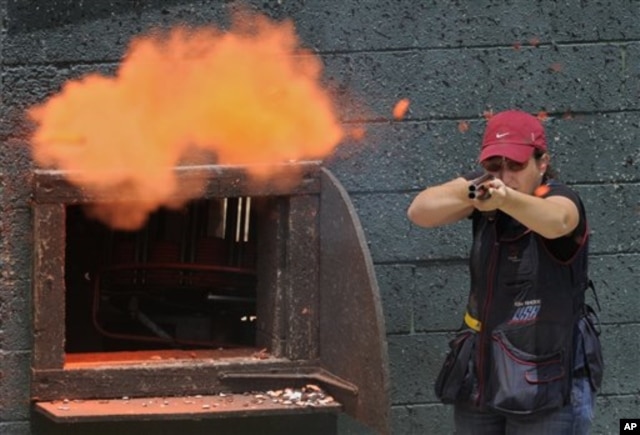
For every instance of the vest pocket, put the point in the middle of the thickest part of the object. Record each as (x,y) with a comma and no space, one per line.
(456,377)
(521,383)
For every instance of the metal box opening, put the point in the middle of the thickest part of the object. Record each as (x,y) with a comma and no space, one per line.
(250,288)
(185,281)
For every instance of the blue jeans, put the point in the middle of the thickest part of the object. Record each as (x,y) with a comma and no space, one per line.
(573,419)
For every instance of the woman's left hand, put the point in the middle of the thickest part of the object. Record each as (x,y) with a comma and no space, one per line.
(498,193)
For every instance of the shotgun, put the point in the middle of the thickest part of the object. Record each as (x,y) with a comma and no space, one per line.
(477,189)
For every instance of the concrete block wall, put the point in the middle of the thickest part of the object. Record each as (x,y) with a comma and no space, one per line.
(576,60)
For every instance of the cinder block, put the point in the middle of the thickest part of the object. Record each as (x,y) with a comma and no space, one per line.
(432,419)
(392,237)
(16,176)
(467,82)
(414,362)
(595,148)
(440,295)
(14,386)
(614,217)
(360,24)
(616,281)
(408,155)
(619,343)
(16,428)
(610,409)
(50,33)
(15,316)
(16,245)
(396,285)
(27,86)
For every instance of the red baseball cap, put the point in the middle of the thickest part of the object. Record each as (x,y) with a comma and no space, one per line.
(512,134)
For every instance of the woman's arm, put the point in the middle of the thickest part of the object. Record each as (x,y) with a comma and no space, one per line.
(551,217)
(442,204)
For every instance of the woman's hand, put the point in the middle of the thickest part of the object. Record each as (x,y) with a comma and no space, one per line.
(496,196)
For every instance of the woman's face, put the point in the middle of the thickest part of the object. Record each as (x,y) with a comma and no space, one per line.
(523,177)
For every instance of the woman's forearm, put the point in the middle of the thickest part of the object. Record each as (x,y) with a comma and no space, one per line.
(442,204)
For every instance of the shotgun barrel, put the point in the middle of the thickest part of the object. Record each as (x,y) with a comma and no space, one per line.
(477,189)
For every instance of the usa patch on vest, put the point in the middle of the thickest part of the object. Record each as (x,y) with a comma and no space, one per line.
(526,311)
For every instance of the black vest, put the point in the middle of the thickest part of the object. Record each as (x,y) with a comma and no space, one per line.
(528,304)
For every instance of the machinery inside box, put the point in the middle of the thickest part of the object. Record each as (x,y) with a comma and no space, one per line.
(186,280)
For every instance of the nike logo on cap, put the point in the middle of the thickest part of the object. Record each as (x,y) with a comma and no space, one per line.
(501,135)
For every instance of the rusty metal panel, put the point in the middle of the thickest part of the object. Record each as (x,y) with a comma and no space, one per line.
(288,256)
(318,304)
(48,286)
(51,186)
(302,267)
(352,340)
(271,333)
(185,407)
(195,376)
(284,377)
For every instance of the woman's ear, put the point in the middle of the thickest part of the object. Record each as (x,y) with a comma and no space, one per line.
(543,163)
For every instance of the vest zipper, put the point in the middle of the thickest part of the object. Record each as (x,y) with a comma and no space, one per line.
(482,339)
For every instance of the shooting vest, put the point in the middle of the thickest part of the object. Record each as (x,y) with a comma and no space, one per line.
(524,305)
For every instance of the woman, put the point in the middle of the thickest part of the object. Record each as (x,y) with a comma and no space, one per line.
(527,359)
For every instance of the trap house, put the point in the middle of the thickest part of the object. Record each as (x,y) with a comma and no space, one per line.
(207,265)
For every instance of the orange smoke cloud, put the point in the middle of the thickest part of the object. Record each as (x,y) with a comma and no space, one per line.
(250,96)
